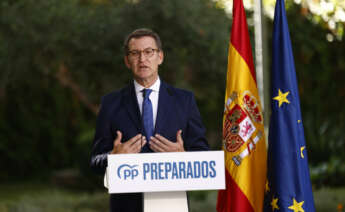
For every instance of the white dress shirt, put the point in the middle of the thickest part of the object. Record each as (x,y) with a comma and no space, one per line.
(153,97)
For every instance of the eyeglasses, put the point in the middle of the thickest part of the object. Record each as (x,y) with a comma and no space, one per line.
(148,52)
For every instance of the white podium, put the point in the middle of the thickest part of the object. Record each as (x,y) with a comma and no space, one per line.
(166,201)
(164,178)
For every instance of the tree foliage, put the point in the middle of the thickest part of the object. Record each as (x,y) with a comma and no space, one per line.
(60,57)
(321,70)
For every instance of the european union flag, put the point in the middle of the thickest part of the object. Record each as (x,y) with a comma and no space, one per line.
(288,187)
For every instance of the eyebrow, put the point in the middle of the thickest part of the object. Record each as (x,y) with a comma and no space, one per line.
(143,49)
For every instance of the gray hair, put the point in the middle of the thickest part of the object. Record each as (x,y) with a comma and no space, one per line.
(142,32)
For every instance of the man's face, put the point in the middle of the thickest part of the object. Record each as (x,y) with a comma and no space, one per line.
(143,65)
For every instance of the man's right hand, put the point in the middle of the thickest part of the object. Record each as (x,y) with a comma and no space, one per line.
(133,145)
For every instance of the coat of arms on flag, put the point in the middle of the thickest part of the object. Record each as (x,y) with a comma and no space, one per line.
(238,124)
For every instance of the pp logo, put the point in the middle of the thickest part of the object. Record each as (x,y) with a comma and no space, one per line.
(127,171)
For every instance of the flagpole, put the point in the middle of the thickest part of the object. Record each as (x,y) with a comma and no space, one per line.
(262,74)
(259,51)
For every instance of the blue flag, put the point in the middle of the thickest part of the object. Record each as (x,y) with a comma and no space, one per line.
(288,187)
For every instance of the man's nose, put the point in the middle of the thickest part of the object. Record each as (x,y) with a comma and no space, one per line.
(142,56)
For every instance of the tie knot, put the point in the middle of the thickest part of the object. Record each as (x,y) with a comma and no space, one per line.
(147,93)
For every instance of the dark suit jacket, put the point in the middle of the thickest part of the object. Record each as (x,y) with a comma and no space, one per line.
(177,109)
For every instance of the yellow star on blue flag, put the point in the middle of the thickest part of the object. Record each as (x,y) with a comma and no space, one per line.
(297,206)
(282,97)
(274,204)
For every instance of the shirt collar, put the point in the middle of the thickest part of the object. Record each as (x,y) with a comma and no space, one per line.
(154,87)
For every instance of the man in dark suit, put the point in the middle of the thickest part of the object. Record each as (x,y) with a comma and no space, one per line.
(146,116)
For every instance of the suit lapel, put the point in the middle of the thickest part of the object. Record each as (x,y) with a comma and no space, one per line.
(165,104)
(131,105)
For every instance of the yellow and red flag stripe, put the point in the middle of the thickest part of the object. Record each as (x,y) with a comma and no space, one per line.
(243,129)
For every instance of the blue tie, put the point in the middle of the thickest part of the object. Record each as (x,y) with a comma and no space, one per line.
(147,114)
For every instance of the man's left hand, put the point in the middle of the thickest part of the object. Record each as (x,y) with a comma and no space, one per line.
(160,144)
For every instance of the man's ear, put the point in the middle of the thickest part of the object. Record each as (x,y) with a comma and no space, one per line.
(161,56)
(127,62)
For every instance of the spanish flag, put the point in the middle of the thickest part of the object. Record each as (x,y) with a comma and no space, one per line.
(243,129)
